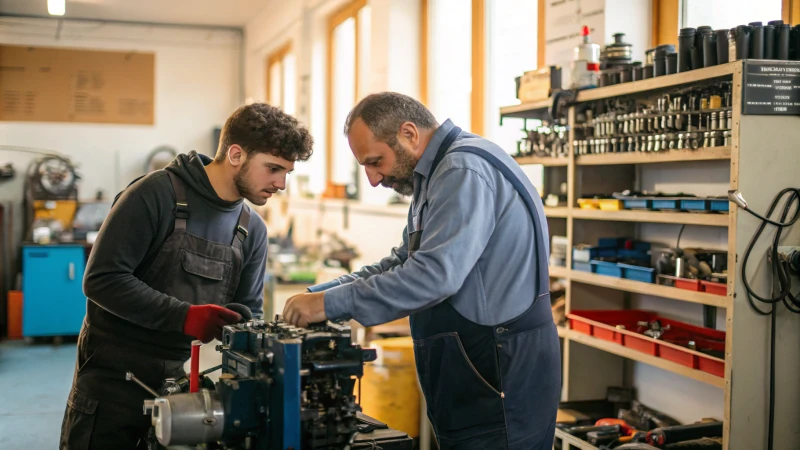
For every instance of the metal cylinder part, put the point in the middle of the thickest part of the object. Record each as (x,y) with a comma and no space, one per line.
(722,46)
(709,49)
(730,120)
(714,124)
(757,42)
(188,419)
(686,41)
(784,34)
(769,42)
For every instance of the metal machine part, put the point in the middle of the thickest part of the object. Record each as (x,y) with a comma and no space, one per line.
(188,419)
(281,387)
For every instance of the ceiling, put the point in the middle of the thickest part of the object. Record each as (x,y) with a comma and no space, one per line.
(235,13)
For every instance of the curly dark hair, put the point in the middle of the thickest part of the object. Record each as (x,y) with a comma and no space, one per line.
(263,128)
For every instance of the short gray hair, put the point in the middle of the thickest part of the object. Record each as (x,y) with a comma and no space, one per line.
(384,112)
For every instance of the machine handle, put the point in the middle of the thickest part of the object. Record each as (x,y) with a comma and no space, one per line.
(71,271)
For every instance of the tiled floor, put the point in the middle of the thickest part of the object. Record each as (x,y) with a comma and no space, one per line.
(34,383)
(35,380)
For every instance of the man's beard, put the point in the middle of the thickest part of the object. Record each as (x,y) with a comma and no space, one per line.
(402,178)
(241,179)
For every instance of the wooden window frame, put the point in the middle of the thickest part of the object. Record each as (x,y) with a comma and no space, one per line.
(347,11)
(478,95)
(276,57)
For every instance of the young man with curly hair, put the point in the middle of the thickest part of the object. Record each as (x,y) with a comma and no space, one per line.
(176,247)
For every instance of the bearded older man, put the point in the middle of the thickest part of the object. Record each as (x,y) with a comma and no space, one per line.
(471,273)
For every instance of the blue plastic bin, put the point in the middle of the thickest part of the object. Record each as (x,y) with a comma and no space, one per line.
(719,205)
(582,266)
(695,204)
(637,203)
(607,268)
(614,242)
(638,273)
(666,203)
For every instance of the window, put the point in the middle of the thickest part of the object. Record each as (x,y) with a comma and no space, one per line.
(473,55)
(512,50)
(281,78)
(450,65)
(726,14)
(348,63)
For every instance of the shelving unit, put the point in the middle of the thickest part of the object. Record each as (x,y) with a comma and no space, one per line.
(591,364)
(544,161)
(634,355)
(570,442)
(714,220)
(637,287)
(561,212)
(669,156)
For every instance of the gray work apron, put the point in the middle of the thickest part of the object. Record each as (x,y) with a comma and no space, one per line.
(103,410)
(490,387)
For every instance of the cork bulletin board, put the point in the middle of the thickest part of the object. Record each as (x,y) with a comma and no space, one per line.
(45,84)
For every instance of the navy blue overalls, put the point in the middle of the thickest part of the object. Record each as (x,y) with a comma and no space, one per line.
(491,387)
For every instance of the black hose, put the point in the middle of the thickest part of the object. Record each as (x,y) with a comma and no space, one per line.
(781,272)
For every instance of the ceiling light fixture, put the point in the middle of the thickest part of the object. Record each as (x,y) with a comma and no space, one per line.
(56,7)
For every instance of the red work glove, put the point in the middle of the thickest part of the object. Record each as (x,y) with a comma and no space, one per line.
(205,322)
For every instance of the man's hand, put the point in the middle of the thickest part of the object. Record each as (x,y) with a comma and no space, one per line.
(303,309)
(205,322)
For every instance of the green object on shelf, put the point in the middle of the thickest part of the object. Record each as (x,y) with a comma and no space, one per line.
(303,276)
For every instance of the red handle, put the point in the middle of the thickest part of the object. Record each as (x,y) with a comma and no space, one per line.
(194,375)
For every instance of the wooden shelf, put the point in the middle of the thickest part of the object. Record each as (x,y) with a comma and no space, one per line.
(528,110)
(710,219)
(559,271)
(634,355)
(573,442)
(557,211)
(549,161)
(609,159)
(661,82)
(638,287)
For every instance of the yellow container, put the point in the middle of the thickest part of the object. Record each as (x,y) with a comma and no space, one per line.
(610,204)
(389,389)
(588,203)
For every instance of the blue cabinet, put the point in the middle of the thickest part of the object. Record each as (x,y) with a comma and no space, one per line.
(52,289)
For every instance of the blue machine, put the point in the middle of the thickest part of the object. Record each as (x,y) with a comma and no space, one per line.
(52,287)
(281,388)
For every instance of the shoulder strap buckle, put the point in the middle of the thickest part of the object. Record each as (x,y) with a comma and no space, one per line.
(181,210)
(241,230)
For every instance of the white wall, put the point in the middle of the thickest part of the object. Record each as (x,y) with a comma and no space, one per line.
(196,88)
(197,85)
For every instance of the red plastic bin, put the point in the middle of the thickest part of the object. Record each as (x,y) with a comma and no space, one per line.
(603,325)
(714,288)
(687,283)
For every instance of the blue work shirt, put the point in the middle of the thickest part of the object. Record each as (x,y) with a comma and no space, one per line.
(477,247)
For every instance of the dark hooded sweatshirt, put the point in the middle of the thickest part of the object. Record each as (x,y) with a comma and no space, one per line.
(120,306)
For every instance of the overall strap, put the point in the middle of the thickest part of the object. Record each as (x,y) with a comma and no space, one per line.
(443,147)
(535,211)
(181,205)
(241,227)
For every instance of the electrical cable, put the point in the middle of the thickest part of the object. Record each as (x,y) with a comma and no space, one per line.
(781,274)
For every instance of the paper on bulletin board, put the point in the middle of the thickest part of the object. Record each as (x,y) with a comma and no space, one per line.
(564,20)
(43,84)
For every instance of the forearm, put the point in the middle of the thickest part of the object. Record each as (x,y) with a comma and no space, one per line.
(461,220)
(397,257)
(390,296)
(125,296)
